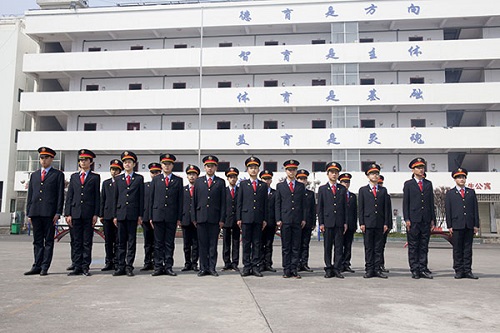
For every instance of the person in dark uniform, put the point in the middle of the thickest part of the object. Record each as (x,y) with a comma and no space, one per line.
(189,233)
(231,230)
(166,214)
(266,250)
(44,206)
(291,217)
(128,211)
(352,223)
(302,175)
(251,213)
(386,234)
(420,216)
(462,219)
(209,213)
(106,216)
(332,213)
(82,210)
(374,215)
(147,227)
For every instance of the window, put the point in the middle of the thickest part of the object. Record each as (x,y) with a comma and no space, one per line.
(137,47)
(318,41)
(271,83)
(417,80)
(416,39)
(366,40)
(223,125)
(180,46)
(133,126)
(94,49)
(224,84)
(319,82)
(271,166)
(318,166)
(366,165)
(223,166)
(367,123)
(318,124)
(177,125)
(90,127)
(417,122)
(178,167)
(92,87)
(16,135)
(225,44)
(270,124)
(179,85)
(135,86)
(271,43)
(366,82)
(19,93)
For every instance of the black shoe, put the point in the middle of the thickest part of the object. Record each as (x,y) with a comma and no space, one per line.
(195,268)
(203,273)
(380,275)
(33,271)
(119,272)
(246,273)
(44,273)
(307,269)
(108,267)
(226,268)
(368,275)
(296,275)
(257,273)
(469,275)
(170,272)
(428,271)
(383,269)
(86,272)
(235,268)
(425,275)
(130,272)
(186,268)
(415,275)
(287,275)
(270,269)
(348,269)
(75,272)
(213,273)
(338,275)
(157,272)
(459,275)
(70,268)
(301,269)
(328,275)
(147,267)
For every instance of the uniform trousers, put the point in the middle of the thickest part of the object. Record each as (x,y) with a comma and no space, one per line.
(190,242)
(462,250)
(83,233)
(251,237)
(418,246)
(43,241)
(127,240)
(347,248)
(305,239)
(231,245)
(110,242)
(149,242)
(164,234)
(290,246)
(266,251)
(373,239)
(208,236)
(333,240)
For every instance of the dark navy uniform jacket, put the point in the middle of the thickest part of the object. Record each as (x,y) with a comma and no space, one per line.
(166,201)
(209,204)
(107,199)
(45,199)
(461,213)
(83,201)
(332,208)
(374,212)
(418,206)
(252,206)
(187,203)
(231,207)
(290,207)
(352,211)
(129,199)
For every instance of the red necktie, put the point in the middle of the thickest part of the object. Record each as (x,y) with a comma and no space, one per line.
(232,193)
(347,196)
(128,179)
(421,186)
(191,190)
(374,190)
(254,184)
(166,181)
(43,174)
(291,187)
(462,192)
(82,177)
(334,190)
(209,182)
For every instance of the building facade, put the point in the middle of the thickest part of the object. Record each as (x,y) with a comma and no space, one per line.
(352,81)
(13,45)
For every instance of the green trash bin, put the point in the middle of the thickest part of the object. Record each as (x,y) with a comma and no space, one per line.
(15,228)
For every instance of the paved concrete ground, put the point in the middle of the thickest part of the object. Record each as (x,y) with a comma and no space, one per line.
(230,303)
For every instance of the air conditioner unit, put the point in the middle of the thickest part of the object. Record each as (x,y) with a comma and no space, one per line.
(62,4)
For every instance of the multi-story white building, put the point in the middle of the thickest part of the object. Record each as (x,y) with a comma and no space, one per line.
(13,45)
(352,81)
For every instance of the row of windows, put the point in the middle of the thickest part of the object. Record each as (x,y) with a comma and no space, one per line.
(268,124)
(266,43)
(267,83)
